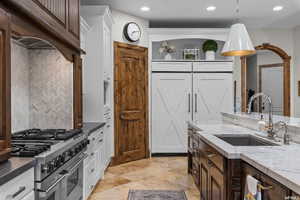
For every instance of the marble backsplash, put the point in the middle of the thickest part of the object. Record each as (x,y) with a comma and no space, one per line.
(42,89)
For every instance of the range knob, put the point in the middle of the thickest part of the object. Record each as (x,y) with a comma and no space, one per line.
(45,168)
(57,162)
(50,167)
(70,153)
(62,158)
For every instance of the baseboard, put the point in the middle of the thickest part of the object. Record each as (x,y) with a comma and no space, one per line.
(169,154)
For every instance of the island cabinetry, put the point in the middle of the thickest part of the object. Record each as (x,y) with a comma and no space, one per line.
(215,176)
(207,169)
(270,188)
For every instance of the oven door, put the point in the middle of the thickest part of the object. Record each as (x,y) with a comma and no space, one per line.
(53,192)
(72,184)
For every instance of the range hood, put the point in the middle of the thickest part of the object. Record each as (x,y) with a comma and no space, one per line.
(33,43)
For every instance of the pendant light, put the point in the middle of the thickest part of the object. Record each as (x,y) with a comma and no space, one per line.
(238,42)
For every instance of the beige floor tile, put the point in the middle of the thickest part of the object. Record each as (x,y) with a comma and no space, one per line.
(159,173)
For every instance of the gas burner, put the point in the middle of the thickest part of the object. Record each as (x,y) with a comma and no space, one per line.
(46,134)
(29,149)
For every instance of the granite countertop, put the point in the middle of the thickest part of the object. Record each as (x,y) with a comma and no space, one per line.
(89,127)
(279,162)
(14,167)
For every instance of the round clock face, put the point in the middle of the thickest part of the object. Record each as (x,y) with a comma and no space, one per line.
(132,32)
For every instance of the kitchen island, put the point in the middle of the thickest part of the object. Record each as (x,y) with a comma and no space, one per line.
(211,158)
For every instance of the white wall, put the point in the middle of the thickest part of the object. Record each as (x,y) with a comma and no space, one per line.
(283,38)
(297,69)
(121,19)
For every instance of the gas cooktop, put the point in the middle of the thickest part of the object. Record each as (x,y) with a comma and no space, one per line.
(32,142)
(45,134)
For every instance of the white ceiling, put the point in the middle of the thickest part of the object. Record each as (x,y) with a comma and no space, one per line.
(254,13)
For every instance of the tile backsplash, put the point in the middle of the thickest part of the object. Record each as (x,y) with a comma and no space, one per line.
(42,89)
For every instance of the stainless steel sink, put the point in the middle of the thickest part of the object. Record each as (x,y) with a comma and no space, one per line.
(245,140)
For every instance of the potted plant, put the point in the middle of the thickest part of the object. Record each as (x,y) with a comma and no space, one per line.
(167,49)
(210,47)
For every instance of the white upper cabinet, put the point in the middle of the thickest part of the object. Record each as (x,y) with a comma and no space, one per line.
(205,66)
(172,66)
(171,108)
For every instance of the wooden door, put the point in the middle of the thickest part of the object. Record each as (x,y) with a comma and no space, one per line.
(171,108)
(131,102)
(217,184)
(77,76)
(213,93)
(204,179)
(5,90)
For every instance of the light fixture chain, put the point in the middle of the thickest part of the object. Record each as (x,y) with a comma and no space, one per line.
(237,11)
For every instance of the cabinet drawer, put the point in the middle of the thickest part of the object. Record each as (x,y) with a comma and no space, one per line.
(18,187)
(172,66)
(213,66)
(215,157)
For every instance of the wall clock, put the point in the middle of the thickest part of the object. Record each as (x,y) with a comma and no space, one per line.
(132,32)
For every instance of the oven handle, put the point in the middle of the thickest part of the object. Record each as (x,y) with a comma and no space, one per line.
(79,162)
(54,184)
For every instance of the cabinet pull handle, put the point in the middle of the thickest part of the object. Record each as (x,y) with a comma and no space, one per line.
(269,187)
(189,104)
(196,109)
(92,154)
(210,154)
(21,189)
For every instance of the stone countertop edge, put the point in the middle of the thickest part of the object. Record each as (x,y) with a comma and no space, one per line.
(14,167)
(90,127)
(282,179)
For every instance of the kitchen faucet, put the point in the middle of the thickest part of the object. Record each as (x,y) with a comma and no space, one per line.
(286,136)
(269,127)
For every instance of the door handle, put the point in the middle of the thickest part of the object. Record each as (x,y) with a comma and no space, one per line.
(196,109)
(189,104)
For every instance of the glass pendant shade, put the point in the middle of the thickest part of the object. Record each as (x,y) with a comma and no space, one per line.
(238,42)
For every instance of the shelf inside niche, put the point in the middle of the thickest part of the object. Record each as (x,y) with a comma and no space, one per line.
(181,44)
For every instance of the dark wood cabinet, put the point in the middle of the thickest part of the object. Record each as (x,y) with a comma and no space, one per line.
(271,190)
(5,107)
(60,17)
(77,76)
(207,169)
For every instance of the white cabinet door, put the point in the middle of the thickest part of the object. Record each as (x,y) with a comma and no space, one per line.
(171,108)
(213,93)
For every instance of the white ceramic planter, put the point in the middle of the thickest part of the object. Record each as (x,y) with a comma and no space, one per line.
(168,56)
(210,55)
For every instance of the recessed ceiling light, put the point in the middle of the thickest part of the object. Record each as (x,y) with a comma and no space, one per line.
(211,8)
(277,8)
(145,8)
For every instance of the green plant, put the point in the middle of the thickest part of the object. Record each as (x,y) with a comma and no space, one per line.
(210,45)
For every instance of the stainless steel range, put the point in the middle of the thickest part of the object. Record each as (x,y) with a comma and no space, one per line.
(59,154)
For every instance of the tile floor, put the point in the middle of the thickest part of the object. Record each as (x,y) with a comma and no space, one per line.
(160,173)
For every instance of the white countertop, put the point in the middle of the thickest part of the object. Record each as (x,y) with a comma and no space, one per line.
(282,163)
